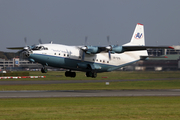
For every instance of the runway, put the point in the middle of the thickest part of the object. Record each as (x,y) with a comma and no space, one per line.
(88,93)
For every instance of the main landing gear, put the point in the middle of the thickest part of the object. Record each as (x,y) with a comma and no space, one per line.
(88,74)
(70,74)
(91,74)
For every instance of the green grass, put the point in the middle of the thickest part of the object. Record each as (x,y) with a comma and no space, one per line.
(98,108)
(111,75)
(115,75)
(166,84)
(157,84)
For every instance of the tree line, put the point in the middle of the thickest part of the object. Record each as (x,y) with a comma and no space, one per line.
(9,55)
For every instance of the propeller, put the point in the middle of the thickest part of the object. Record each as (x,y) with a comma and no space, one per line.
(26,47)
(25,40)
(108,40)
(22,50)
(40,41)
(85,42)
(84,49)
(109,48)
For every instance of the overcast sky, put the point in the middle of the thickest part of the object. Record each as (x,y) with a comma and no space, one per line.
(69,21)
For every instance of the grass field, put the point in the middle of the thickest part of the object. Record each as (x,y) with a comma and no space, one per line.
(111,75)
(166,84)
(115,75)
(156,84)
(97,108)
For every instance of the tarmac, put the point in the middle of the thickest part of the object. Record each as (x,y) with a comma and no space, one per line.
(88,93)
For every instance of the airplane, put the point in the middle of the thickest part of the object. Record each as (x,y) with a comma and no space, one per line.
(90,59)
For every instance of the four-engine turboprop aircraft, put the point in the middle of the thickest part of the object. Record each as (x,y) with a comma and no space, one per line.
(90,59)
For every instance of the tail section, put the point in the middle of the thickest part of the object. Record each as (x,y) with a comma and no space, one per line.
(138,37)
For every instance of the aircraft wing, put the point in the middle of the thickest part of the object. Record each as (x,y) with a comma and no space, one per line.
(135,48)
(119,49)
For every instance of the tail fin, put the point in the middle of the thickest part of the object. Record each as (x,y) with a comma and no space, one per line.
(138,38)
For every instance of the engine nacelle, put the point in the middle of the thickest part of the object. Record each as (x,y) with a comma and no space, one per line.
(117,49)
(91,50)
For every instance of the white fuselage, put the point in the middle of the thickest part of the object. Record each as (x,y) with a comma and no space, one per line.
(57,54)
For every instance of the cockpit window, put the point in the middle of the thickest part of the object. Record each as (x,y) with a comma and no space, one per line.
(39,48)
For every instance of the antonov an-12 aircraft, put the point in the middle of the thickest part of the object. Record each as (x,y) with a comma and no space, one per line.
(90,59)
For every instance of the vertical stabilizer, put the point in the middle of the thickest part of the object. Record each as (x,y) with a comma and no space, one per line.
(138,37)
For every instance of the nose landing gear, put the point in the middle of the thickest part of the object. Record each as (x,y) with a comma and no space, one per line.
(44,70)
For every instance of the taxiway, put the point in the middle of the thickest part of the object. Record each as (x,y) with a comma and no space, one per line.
(88,93)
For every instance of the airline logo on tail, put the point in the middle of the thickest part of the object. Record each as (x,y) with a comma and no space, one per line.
(138,36)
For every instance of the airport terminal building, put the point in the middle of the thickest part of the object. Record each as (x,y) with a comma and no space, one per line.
(167,59)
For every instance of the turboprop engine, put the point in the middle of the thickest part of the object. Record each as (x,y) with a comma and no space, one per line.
(115,49)
(90,49)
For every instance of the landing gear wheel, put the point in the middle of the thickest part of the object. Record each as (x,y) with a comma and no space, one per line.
(88,74)
(94,75)
(44,70)
(91,74)
(70,74)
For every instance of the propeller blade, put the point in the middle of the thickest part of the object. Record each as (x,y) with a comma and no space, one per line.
(40,42)
(16,48)
(109,52)
(25,40)
(85,43)
(83,56)
(108,40)
(21,49)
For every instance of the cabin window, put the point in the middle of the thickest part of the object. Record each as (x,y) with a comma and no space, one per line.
(64,55)
(100,60)
(93,59)
(67,55)
(59,54)
(107,61)
(54,53)
(96,59)
(103,61)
